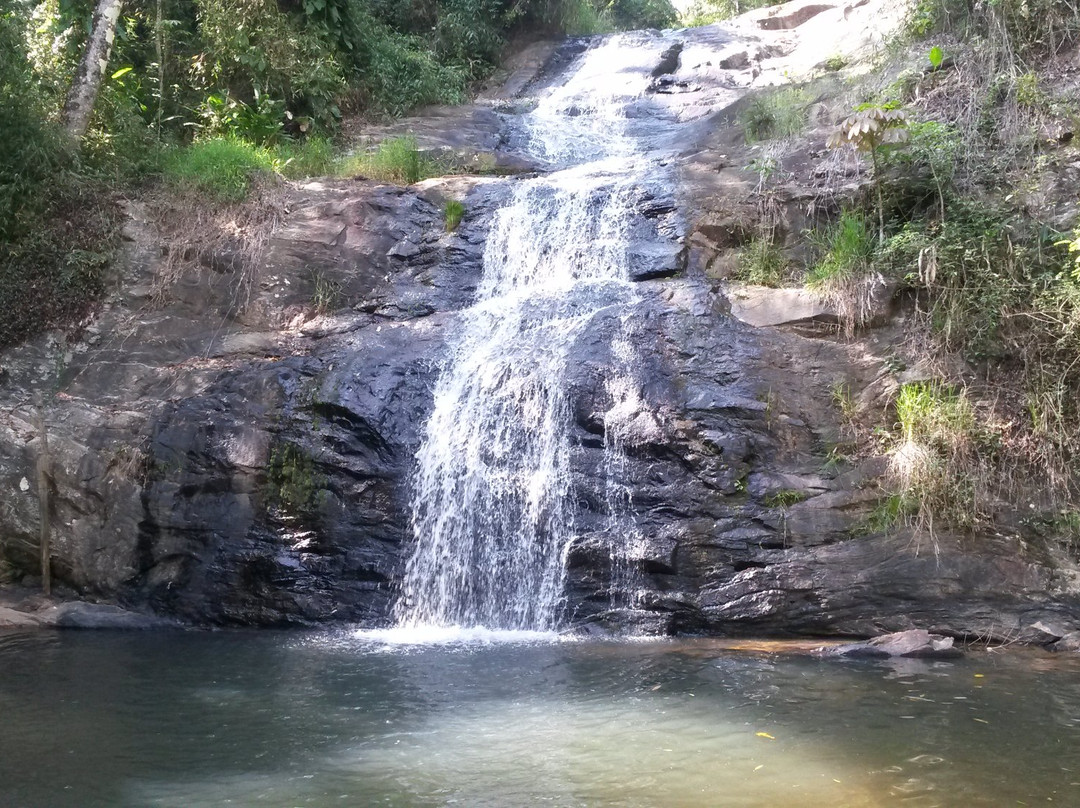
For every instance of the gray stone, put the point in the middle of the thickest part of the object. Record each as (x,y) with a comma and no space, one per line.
(1042,633)
(912,643)
(77,614)
(10,618)
(1070,643)
(762,306)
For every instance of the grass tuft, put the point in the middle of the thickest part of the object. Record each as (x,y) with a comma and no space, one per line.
(844,275)
(221,167)
(396,160)
(762,262)
(454,212)
(936,469)
(776,114)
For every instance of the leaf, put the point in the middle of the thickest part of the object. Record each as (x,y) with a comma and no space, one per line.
(765,735)
(937,56)
(123,71)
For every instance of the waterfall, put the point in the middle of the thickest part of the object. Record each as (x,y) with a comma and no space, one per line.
(492,514)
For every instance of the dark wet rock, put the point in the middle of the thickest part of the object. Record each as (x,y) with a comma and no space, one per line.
(669,60)
(737,61)
(916,643)
(651,260)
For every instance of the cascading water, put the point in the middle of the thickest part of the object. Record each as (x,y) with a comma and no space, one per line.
(493,517)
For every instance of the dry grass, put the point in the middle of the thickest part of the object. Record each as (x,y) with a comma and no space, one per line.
(229,236)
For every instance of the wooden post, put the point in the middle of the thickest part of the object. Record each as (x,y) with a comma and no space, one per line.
(43,501)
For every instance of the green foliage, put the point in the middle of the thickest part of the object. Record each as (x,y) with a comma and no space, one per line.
(706,12)
(34,151)
(835,62)
(892,511)
(396,160)
(934,415)
(936,57)
(776,114)
(222,168)
(397,72)
(1023,28)
(844,274)
(293,483)
(762,262)
(454,212)
(634,14)
(972,267)
(58,227)
(261,58)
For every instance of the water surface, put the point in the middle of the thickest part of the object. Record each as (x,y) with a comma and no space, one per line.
(275,719)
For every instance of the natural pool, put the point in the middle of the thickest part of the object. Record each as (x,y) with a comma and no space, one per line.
(283,719)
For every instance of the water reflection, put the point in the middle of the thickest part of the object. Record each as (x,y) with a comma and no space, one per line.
(284,720)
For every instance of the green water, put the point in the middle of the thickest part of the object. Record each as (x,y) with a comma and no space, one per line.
(275,719)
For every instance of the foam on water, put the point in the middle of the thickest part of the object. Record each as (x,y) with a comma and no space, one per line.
(405,636)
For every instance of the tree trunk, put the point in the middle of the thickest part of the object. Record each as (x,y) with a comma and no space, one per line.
(43,484)
(92,67)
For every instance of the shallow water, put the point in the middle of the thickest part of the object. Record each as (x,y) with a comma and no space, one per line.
(329,720)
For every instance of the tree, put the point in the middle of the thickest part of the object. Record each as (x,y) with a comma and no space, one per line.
(868,130)
(95,60)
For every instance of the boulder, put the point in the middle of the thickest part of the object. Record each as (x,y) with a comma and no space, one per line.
(762,306)
(1042,633)
(913,643)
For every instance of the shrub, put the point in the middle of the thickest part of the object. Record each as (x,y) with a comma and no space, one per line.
(293,483)
(935,469)
(311,157)
(325,293)
(396,72)
(706,12)
(1016,28)
(634,14)
(267,62)
(58,227)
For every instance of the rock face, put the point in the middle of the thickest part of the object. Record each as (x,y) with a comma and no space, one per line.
(242,452)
